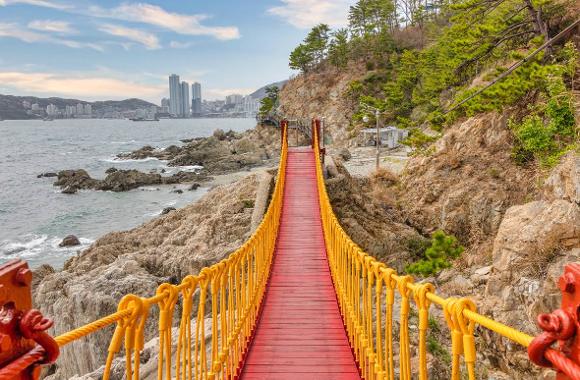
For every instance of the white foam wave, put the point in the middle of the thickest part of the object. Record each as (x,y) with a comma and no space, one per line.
(191,168)
(123,142)
(38,246)
(117,160)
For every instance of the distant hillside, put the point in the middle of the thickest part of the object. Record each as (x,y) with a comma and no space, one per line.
(12,108)
(261,93)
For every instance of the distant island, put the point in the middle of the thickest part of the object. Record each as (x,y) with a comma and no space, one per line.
(30,107)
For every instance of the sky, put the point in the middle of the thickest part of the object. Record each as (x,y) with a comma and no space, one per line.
(105,49)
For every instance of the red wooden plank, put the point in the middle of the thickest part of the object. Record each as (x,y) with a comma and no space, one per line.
(300,334)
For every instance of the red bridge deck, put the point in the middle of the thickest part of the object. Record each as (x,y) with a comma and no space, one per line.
(300,334)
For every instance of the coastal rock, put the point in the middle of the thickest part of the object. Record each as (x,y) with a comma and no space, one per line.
(177,191)
(222,153)
(123,180)
(167,210)
(111,170)
(47,175)
(165,249)
(69,190)
(77,179)
(70,241)
(194,186)
(120,180)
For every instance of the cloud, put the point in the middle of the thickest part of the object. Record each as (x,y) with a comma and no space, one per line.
(305,14)
(13,30)
(180,45)
(63,27)
(176,22)
(86,85)
(149,40)
(38,3)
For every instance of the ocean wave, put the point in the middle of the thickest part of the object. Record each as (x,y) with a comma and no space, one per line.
(117,160)
(33,246)
(123,142)
(191,168)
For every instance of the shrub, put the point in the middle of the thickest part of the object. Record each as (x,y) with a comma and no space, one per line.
(437,257)
(418,140)
(549,131)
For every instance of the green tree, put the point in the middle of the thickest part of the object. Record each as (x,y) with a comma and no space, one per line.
(312,51)
(270,102)
(301,58)
(338,50)
(437,257)
(371,17)
(317,42)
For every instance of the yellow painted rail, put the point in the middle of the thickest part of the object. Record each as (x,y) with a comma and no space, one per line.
(366,290)
(221,303)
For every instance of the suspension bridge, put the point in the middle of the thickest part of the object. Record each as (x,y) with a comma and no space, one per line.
(299,300)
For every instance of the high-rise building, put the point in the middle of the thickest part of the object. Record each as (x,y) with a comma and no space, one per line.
(196,100)
(175,103)
(80,109)
(51,110)
(88,109)
(185,99)
(234,99)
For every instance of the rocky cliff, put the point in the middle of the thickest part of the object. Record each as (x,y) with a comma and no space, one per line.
(520,224)
(322,93)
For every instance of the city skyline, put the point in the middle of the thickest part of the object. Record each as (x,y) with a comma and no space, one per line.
(115,49)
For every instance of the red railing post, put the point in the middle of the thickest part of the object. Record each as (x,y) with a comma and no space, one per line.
(24,344)
(562,326)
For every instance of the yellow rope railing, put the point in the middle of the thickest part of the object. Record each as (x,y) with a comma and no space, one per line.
(228,293)
(366,291)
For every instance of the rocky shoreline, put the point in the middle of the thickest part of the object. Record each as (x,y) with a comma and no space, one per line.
(222,153)
(70,181)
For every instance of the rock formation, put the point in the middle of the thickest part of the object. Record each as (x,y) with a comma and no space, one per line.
(120,180)
(70,241)
(224,152)
(137,261)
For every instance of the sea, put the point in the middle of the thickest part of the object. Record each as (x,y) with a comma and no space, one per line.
(35,216)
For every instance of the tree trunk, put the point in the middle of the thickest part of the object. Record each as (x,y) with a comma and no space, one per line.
(540,26)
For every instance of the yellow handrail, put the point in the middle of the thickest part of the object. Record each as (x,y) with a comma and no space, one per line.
(227,295)
(366,290)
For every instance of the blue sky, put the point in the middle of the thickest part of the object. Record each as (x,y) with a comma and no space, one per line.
(105,49)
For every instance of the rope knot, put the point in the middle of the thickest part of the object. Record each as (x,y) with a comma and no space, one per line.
(166,305)
(467,327)
(423,303)
(402,285)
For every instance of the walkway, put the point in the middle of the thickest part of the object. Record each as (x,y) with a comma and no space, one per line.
(300,334)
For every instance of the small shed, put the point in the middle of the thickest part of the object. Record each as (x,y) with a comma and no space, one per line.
(390,137)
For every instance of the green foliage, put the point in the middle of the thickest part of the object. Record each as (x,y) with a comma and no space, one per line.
(437,350)
(370,17)
(301,58)
(418,139)
(426,58)
(312,51)
(437,257)
(338,50)
(270,102)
